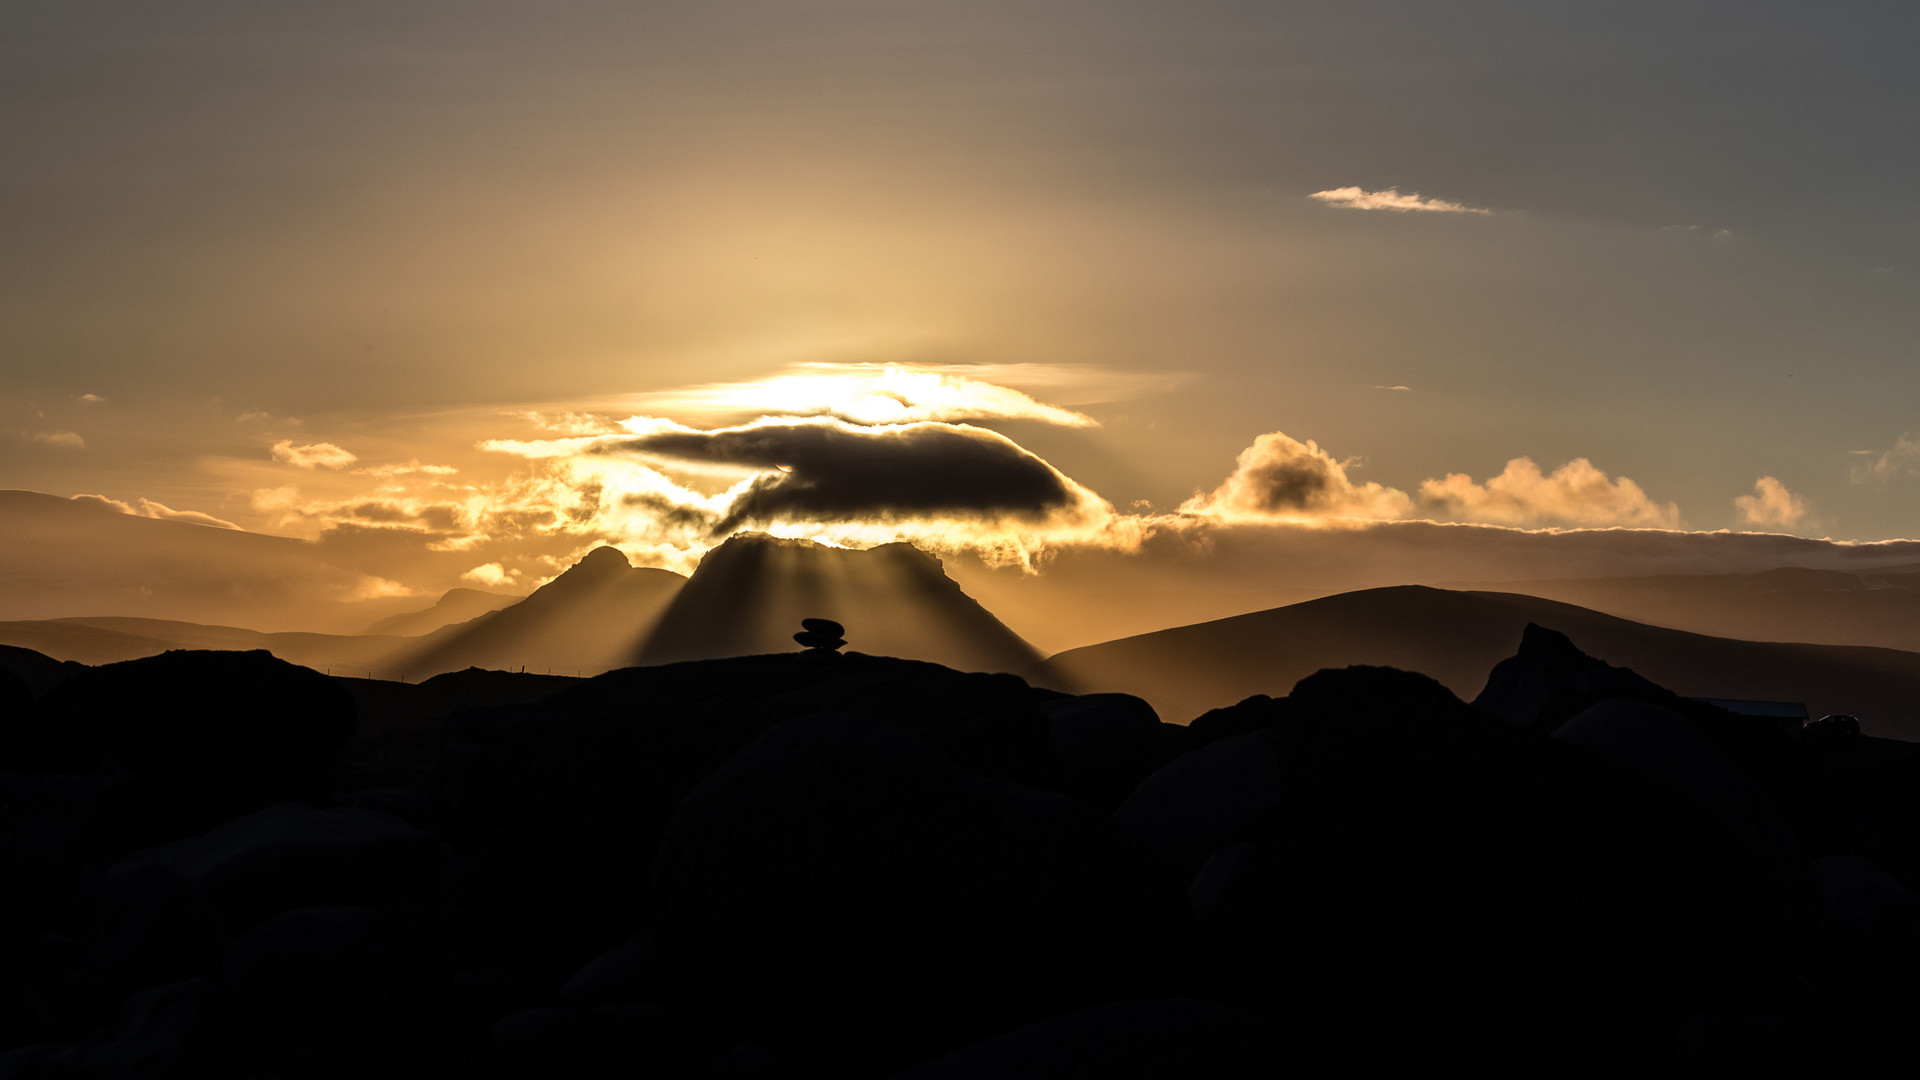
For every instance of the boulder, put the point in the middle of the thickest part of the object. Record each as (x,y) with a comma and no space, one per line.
(1205,799)
(174,907)
(839,865)
(1550,679)
(1164,1039)
(1660,745)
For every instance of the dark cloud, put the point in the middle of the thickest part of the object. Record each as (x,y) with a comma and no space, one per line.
(835,472)
(437,518)
(667,512)
(1296,483)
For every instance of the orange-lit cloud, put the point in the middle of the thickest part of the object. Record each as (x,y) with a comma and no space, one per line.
(1576,493)
(942,485)
(490,574)
(1771,504)
(1353,198)
(312,455)
(1280,478)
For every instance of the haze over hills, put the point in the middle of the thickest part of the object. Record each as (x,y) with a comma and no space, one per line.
(1456,637)
(587,620)
(111,639)
(750,593)
(1196,573)
(454,606)
(1829,607)
(82,557)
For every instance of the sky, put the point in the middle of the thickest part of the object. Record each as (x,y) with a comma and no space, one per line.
(480,285)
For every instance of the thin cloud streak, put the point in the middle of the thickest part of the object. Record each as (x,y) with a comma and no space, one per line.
(1354,198)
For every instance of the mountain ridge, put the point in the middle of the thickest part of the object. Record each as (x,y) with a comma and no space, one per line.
(1457,637)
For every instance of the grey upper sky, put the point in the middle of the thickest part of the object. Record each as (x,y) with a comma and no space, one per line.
(242,224)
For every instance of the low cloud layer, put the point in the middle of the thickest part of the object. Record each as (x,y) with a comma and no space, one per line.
(1353,198)
(1771,505)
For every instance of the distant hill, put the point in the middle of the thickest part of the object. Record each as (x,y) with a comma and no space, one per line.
(1457,637)
(111,639)
(454,606)
(66,557)
(588,620)
(1827,607)
(749,594)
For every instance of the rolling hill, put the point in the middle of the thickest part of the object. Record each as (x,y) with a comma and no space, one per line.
(1457,637)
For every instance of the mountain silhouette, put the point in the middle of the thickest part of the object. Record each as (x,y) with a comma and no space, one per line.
(749,595)
(587,620)
(1457,637)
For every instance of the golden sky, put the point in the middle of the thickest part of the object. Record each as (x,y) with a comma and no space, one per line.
(502,283)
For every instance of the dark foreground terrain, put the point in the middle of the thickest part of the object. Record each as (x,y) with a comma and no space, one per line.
(815,865)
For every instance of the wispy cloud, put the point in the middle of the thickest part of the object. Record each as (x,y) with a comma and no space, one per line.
(1902,459)
(65,440)
(90,399)
(1771,504)
(1353,198)
(411,468)
(312,455)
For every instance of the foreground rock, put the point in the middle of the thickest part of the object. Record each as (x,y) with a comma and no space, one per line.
(818,864)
